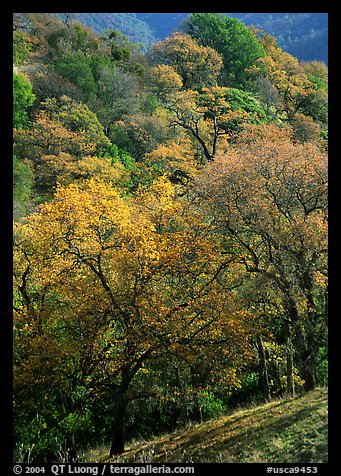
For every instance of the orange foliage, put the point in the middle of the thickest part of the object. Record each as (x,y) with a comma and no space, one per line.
(134,278)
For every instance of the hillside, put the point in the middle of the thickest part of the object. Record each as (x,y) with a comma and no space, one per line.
(291,431)
(303,35)
(135,28)
(170,244)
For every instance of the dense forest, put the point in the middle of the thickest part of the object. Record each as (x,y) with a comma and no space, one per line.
(170,229)
(303,35)
(132,25)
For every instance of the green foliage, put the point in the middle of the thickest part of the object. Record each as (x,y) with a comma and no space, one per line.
(22,180)
(36,440)
(21,48)
(23,98)
(98,63)
(77,69)
(318,81)
(76,422)
(77,117)
(324,135)
(149,103)
(137,68)
(323,366)
(120,46)
(71,38)
(211,405)
(50,434)
(123,52)
(120,155)
(244,101)
(248,391)
(150,418)
(315,105)
(237,45)
(120,137)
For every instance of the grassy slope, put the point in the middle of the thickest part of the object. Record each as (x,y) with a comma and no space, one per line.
(282,431)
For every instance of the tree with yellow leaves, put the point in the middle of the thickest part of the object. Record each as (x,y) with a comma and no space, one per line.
(198,66)
(297,90)
(127,281)
(207,118)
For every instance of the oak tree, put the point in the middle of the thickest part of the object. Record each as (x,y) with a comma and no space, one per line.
(128,281)
(270,194)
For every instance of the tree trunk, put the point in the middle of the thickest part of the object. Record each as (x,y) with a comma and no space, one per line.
(313,336)
(196,410)
(120,415)
(290,369)
(197,413)
(182,389)
(290,390)
(119,427)
(309,376)
(291,319)
(309,357)
(263,370)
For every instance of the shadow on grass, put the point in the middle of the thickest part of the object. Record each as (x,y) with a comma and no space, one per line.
(251,431)
(257,439)
(254,431)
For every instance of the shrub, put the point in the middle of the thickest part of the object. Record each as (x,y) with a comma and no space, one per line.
(23,98)
(211,405)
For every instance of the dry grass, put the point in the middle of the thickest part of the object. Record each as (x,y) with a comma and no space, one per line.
(283,431)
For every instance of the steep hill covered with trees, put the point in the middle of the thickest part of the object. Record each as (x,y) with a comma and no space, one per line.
(304,35)
(170,229)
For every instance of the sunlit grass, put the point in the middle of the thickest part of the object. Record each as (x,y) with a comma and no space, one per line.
(282,431)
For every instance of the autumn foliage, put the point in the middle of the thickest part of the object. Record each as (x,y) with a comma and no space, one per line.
(170,233)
